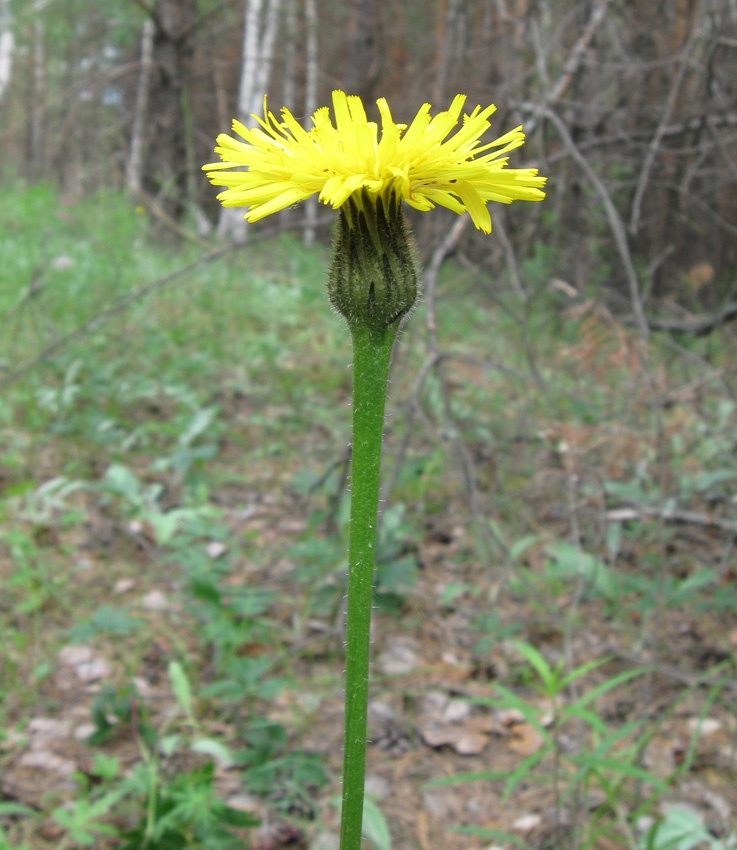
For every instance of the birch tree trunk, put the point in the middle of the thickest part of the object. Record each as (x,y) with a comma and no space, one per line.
(266,55)
(258,56)
(289,84)
(311,94)
(134,166)
(7,45)
(39,98)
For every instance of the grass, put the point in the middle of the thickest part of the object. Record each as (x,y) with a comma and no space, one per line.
(173,501)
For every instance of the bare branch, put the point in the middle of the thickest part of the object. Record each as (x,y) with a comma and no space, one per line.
(652,151)
(570,66)
(497,218)
(671,515)
(697,325)
(615,222)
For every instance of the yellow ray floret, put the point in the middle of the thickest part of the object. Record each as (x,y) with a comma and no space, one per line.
(417,162)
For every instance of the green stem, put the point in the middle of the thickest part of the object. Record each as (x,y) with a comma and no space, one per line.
(372,350)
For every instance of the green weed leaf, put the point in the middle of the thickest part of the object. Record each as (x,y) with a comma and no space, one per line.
(375,828)
(216,749)
(181,688)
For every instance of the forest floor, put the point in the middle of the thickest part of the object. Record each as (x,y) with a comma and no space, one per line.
(555,634)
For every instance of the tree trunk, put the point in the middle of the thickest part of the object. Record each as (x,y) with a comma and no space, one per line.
(311,94)
(448,57)
(39,99)
(266,56)
(289,84)
(134,166)
(7,45)
(258,53)
(364,58)
(165,172)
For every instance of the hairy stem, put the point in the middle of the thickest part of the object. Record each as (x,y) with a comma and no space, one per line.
(371,354)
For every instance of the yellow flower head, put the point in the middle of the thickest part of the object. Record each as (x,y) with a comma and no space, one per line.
(416,163)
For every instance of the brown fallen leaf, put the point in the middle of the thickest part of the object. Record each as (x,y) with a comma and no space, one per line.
(472,744)
(525,739)
(467,739)
(47,761)
(435,735)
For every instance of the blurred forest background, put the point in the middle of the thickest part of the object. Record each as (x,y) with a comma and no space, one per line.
(555,641)
(642,94)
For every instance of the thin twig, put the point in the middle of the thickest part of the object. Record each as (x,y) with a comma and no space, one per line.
(521,320)
(497,218)
(615,222)
(654,146)
(699,325)
(570,66)
(676,515)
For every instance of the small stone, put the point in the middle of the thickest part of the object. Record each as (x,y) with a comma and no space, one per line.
(440,804)
(123,585)
(527,823)
(434,702)
(377,787)
(644,823)
(215,548)
(74,654)
(400,658)
(47,728)
(705,725)
(243,802)
(92,671)
(326,840)
(456,711)
(62,263)
(143,686)
(81,659)
(154,600)
(380,711)
(84,731)
(292,526)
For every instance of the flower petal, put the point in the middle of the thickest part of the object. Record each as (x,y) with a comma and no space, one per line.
(275,163)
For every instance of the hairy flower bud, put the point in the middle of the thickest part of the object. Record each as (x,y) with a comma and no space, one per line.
(373,278)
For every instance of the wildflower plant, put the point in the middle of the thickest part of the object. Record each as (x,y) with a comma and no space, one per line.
(373,284)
